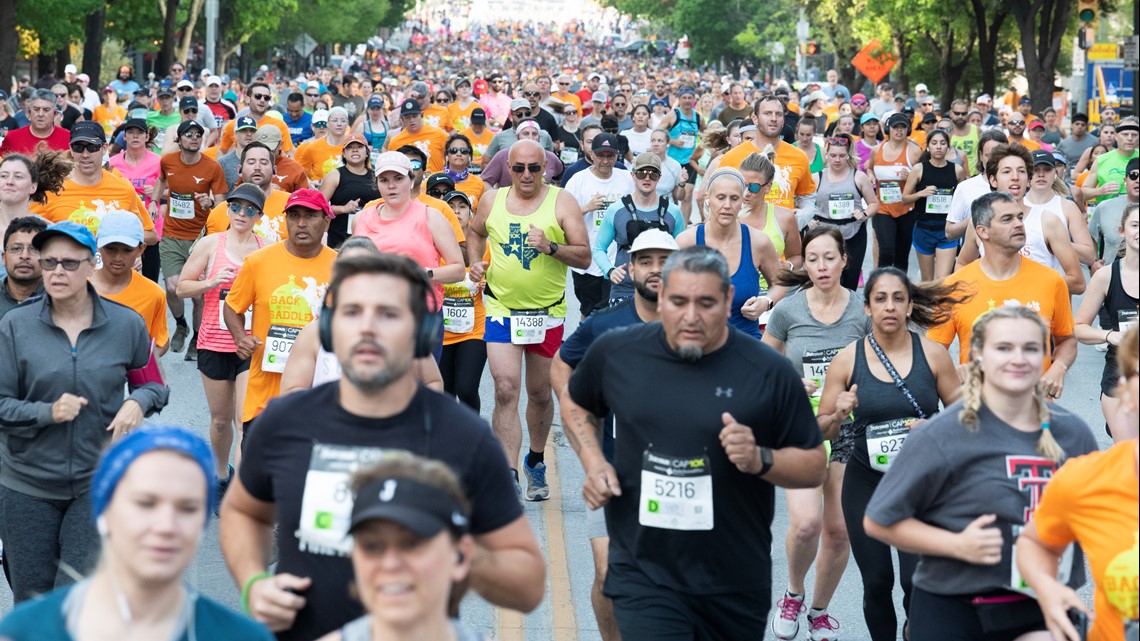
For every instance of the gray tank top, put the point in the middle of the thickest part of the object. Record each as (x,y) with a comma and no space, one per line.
(881,401)
(836,201)
(361,630)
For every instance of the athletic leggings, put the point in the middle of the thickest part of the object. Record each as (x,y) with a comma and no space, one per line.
(874,557)
(462,369)
(151,262)
(895,236)
(856,251)
(40,535)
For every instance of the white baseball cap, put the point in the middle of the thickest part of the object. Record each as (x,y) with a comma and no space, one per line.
(214,80)
(654,239)
(184,83)
(70,69)
(920,87)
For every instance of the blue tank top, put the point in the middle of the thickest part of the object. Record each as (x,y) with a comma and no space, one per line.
(745,282)
(686,129)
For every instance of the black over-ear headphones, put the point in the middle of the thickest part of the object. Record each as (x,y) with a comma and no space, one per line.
(427,331)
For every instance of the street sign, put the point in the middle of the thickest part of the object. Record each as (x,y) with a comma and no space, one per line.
(874,61)
(304,45)
(1131,52)
(1104,51)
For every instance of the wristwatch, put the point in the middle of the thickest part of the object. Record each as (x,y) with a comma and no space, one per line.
(765,461)
(553,248)
(431,274)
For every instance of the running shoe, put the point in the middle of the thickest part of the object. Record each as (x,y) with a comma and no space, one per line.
(786,623)
(823,628)
(178,341)
(536,488)
(192,352)
(223,485)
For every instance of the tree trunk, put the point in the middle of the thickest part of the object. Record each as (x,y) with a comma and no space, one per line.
(169,29)
(188,31)
(62,59)
(949,70)
(902,53)
(93,46)
(989,32)
(1041,44)
(9,41)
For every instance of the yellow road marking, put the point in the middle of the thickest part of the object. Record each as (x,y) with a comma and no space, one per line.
(561,599)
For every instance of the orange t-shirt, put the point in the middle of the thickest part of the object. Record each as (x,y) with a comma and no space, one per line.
(227,141)
(211,152)
(567,97)
(479,144)
(87,205)
(430,140)
(148,299)
(888,176)
(318,158)
(461,116)
(109,118)
(474,187)
(438,116)
(793,174)
(288,174)
(457,295)
(1035,286)
(271,227)
(285,293)
(185,216)
(1095,500)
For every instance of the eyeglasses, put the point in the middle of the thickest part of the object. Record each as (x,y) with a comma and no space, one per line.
(647,174)
(192,134)
(521,169)
(531,94)
(86,147)
(18,250)
(837,142)
(1134,175)
(459,150)
(521,113)
(755,188)
(249,210)
(260,96)
(69,264)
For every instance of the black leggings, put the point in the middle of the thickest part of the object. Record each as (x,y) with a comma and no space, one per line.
(856,251)
(462,368)
(874,557)
(895,236)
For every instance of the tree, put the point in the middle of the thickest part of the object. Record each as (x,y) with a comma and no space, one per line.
(989,17)
(942,43)
(1042,24)
(9,41)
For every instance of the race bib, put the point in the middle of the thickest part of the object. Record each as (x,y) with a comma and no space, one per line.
(676,493)
(890,192)
(222,293)
(568,155)
(528,326)
(278,343)
(326,503)
(939,201)
(816,364)
(182,206)
(885,441)
(1126,319)
(459,315)
(688,140)
(374,154)
(840,206)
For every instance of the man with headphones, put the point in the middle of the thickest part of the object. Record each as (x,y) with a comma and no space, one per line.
(284,285)
(299,461)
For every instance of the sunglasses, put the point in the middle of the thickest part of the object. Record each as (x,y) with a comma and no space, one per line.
(320,124)
(521,169)
(647,174)
(192,134)
(439,193)
(858,102)
(443,99)
(755,188)
(189,111)
(312,95)
(1134,175)
(69,264)
(837,142)
(86,147)
(570,112)
(417,164)
(1016,123)
(531,94)
(186,88)
(60,95)
(260,96)
(619,104)
(249,210)
(459,150)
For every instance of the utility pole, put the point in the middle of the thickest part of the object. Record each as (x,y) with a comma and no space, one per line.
(212,35)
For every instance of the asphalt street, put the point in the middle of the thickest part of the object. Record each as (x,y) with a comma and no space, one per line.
(559,524)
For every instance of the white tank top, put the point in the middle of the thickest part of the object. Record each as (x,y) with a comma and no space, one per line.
(327,369)
(1035,245)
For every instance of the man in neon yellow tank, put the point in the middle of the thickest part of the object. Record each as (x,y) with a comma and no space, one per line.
(964,136)
(1106,176)
(533,233)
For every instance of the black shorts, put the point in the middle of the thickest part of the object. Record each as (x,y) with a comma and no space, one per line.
(692,179)
(221,366)
(1109,377)
(592,292)
(646,611)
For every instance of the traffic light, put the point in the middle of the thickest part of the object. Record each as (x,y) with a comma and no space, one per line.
(1087,11)
(809,48)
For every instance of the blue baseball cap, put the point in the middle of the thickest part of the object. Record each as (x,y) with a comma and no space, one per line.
(76,232)
(868,117)
(120,226)
(245,122)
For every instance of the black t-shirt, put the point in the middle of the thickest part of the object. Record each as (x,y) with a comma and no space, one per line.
(673,408)
(547,122)
(296,456)
(70,116)
(7,124)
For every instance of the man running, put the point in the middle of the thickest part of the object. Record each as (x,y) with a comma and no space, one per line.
(260,99)
(40,111)
(432,141)
(684,126)
(23,276)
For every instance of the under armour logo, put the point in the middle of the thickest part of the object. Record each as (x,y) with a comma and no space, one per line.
(724,391)
(197,179)
(389,490)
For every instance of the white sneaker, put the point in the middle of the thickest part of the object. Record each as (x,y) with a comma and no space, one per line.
(823,627)
(786,622)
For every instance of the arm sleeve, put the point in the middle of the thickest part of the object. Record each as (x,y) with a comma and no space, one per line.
(913,482)
(586,385)
(606,232)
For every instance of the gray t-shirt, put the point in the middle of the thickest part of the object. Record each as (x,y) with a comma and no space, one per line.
(1105,225)
(792,323)
(1073,148)
(947,476)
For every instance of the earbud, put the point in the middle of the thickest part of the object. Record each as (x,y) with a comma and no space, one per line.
(459,556)
(101,527)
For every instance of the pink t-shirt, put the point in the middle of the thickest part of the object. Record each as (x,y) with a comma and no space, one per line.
(142,176)
(408,235)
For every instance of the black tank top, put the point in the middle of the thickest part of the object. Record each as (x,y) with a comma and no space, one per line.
(881,401)
(351,187)
(942,178)
(1118,307)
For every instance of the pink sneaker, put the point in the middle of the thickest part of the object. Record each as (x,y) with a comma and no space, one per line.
(786,623)
(823,627)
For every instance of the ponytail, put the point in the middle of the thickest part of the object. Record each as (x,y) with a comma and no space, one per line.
(1047,446)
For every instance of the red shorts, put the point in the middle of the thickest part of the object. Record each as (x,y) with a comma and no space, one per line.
(499,331)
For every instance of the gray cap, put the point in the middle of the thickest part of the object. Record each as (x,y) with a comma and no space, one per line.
(252,194)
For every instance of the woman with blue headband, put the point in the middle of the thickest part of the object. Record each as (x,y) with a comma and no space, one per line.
(151,498)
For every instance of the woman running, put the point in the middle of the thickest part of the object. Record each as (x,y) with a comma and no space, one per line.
(845,199)
(930,189)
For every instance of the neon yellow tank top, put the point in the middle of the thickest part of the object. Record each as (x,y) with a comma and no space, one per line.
(519,277)
(772,231)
